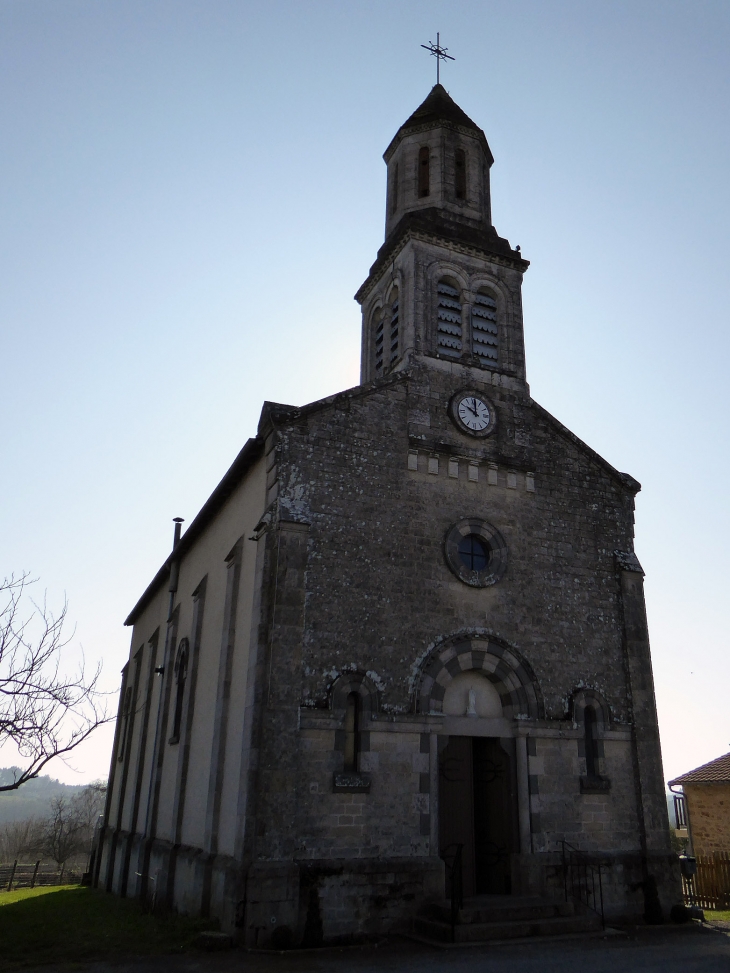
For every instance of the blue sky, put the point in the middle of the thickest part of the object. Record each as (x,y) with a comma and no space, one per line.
(191,193)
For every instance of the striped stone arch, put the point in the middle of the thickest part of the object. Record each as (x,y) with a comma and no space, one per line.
(354,682)
(586,696)
(510,674)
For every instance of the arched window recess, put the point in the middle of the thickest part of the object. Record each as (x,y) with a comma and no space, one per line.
(460,174)
(591,716)
(393,311)
(181,675)
(386,335)
(126,717)
(352,733)
(424,176)
(379,341)
(354,699)
(484,329)
(448,319)
(394,189)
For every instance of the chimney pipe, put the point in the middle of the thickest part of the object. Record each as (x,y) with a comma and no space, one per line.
(178,521)
(175,565)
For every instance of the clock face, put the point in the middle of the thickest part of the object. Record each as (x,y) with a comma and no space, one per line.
(474,413)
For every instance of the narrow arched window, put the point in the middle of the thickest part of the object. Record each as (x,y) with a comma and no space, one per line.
(352,732)
(589,729)
(394,190)
(448,323)
(379,340)
(460,174)
(126,714)
(484,331)
(181,675)
(394,315)
(423,171)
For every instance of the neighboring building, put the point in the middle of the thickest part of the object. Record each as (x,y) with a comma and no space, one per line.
(410,616)
(706,809)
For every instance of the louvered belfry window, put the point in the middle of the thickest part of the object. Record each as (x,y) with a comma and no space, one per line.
(448,320)
(484,331)
(379,336)
(394,327)
(386,334)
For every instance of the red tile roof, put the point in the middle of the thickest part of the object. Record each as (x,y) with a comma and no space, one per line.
(715,772)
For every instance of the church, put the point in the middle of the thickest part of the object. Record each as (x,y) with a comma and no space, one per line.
(400,657)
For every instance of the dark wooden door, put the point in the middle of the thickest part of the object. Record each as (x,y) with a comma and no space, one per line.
(456,806)
(475,810)
(492,817)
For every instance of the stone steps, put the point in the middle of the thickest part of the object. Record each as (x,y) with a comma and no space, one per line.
(489,918)
(501,908)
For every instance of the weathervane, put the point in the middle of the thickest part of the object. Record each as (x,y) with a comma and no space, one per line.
(439,53)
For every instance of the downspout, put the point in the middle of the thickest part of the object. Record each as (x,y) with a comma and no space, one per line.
(680,793)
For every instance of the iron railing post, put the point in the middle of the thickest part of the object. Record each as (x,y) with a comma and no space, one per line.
(600,889)
(457,883)
(585,880)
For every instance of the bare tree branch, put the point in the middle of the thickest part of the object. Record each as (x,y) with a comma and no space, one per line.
(45,712)
(62,835)
(21,839)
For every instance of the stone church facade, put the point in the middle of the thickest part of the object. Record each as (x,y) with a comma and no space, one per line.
(410,617)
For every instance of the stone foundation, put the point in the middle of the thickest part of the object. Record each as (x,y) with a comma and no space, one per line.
(330,901)
(623,898)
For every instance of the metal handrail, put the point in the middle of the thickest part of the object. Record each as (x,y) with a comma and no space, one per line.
(582,880)
(456,881)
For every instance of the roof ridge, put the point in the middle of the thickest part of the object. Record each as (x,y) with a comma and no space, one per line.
(714,771)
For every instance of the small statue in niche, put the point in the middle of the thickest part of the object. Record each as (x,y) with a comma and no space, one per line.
(471,703)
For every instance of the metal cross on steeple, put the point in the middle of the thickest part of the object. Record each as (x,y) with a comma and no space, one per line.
(439,53)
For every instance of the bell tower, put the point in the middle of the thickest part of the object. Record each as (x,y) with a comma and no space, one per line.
(438,163)
(445,288)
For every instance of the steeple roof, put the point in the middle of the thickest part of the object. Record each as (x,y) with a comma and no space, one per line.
(438,108)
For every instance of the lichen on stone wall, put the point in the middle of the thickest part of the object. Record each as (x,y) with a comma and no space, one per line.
(376,679)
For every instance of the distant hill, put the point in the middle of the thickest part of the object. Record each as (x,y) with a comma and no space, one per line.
(33,799)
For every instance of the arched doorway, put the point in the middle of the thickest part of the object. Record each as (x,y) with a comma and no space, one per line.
(480,687)
(477,792)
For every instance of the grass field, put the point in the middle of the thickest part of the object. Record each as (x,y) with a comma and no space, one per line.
(723,916)
(70,923)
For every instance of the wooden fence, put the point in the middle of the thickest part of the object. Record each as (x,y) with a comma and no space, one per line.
(709,888)
(17,875)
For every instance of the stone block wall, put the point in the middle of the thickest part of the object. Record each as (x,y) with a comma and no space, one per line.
(561,810)
(375,594)
(378,589)
(709,817)
(386,821)
(365,899)
(332,901)
(620,881)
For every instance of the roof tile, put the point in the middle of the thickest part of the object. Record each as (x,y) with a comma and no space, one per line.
(715,772)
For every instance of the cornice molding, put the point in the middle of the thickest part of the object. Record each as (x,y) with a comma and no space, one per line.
(383,262)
